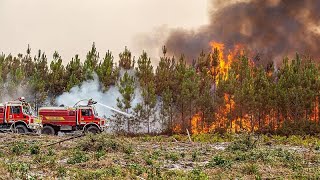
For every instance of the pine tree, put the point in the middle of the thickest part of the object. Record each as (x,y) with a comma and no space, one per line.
(56,76)
(187,88)
(39,79)
(91,62)
(126,60)
(167,110)
(74,73)
(164,76)
(15,76)
(145,75)
(205,99)
(107,71)
(126,87)
(27,63)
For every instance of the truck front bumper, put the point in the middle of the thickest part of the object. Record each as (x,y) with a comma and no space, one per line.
(35,126)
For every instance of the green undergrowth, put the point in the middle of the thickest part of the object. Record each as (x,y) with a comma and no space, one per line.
(209,156)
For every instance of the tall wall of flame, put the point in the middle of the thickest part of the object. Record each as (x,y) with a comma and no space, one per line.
(270,28)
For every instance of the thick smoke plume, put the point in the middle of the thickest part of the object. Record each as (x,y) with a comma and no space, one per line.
(270,28)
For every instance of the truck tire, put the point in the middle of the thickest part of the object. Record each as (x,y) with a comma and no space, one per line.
(93,130)
(48,130)
(21,129)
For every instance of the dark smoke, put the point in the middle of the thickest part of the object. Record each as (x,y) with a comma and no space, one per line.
(271,28)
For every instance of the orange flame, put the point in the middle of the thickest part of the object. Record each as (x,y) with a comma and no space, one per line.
(222,116)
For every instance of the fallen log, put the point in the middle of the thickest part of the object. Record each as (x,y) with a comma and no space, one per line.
(64,140)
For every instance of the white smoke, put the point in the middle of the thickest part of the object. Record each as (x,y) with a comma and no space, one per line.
(10,91)
(92,89)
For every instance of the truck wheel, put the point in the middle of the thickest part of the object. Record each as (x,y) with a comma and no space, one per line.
(48,130)
(93,130)
(20,129)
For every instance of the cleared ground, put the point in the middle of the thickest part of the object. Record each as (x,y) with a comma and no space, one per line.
(160,157)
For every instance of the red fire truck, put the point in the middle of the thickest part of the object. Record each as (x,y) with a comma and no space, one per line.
(69,119)
(18,116)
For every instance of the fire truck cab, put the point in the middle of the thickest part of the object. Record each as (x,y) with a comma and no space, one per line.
(17,116)
(68,119)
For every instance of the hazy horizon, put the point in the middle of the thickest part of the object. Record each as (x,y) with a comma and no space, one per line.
(70,27)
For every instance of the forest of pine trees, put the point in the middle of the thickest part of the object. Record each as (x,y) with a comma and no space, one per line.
(201,96)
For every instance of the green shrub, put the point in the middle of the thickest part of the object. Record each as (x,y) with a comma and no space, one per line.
(18,148)
(251,169)
(220,162)
(40,158)
(95,143)
(244,142)
(90,174)
(18,170)
(114,171)
(1,153)
(301,127)
(61,171)
(195,155)
(51,152)
(78,157)
(172,156)
(99,154)
(198,174)
(148,160)
(128,149)
(137,169)
(34,149)
(156,154)
(212,138)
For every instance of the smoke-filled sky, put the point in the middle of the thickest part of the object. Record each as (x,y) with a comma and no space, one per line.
(271,29)
(70,26)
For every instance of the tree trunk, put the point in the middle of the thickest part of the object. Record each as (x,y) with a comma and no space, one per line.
(182,118)
(230,111)
(259,120)
(148,119)
(203,121)
(252,123)
(128,122)
(318,106)
(278,118)
(241,118)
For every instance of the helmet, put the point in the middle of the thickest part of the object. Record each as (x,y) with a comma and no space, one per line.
(22,99)
(91,102)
